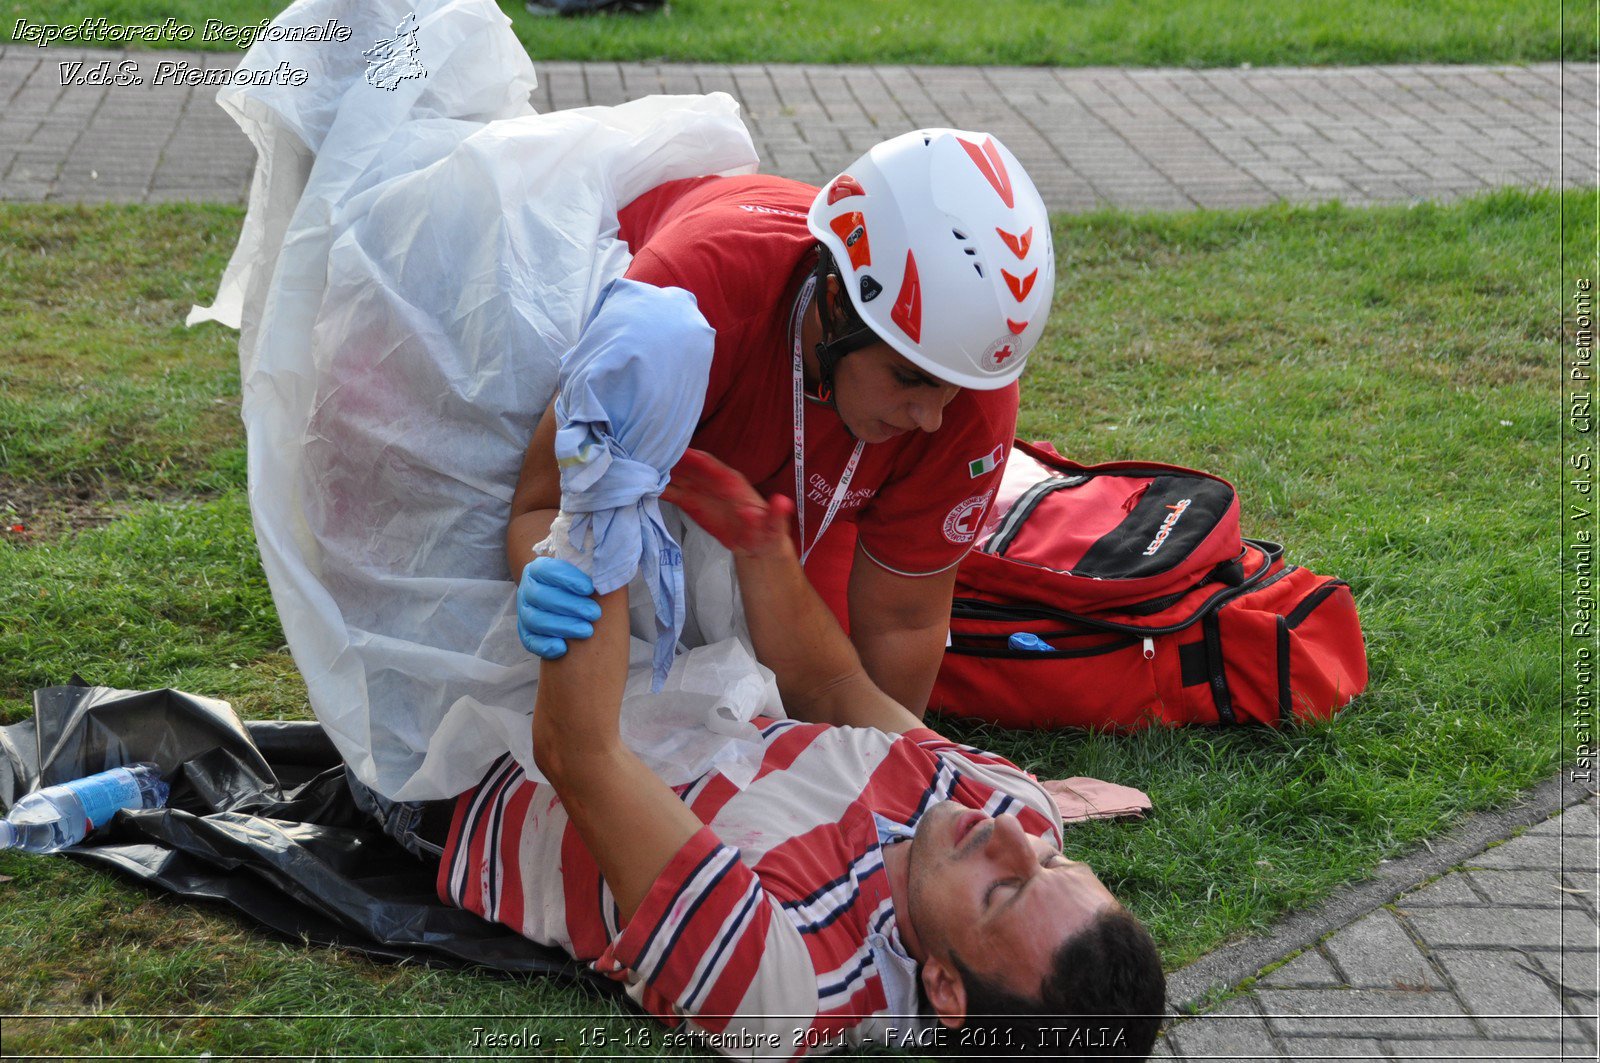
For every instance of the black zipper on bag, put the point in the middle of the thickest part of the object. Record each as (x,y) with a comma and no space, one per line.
(1312,600)
(1007,653)
(978,609)
(1002,636)
(1228,572)
(1221,696)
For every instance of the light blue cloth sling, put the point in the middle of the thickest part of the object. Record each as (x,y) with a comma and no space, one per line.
(629,397)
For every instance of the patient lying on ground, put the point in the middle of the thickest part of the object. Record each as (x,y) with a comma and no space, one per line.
(852,878)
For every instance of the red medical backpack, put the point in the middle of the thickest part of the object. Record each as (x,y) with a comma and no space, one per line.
(1142,603)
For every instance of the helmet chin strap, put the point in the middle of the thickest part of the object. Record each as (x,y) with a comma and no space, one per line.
(840,335)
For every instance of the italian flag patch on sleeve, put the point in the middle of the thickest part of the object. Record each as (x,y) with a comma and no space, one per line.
(987,463)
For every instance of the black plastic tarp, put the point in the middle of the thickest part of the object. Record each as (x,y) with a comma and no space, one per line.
(261,818)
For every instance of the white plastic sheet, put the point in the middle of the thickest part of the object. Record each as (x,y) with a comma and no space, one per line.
(415,260)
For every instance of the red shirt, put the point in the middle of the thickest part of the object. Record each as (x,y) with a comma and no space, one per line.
(740,245)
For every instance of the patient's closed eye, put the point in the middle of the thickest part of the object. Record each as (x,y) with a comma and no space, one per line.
(1048,860)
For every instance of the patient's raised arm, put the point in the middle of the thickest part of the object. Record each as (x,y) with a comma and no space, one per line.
(631,821)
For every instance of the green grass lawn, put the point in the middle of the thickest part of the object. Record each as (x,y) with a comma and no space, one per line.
(1381,385)
(1200,33)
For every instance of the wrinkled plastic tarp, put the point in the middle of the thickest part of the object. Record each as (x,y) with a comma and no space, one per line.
(624,415)
(415,261)
(260,818)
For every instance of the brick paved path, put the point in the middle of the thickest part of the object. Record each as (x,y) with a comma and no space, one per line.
(1496,960)
(1140,139)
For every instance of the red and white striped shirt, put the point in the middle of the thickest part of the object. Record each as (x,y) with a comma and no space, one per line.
(773,929)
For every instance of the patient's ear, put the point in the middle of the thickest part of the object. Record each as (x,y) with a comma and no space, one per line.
(946,995)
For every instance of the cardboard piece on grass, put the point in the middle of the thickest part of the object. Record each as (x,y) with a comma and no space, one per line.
(1080,799)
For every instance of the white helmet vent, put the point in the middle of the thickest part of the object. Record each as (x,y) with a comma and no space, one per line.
(968,248)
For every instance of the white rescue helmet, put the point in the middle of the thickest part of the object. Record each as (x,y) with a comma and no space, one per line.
(943,244)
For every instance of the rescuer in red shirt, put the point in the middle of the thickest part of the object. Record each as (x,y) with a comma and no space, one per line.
(869,336)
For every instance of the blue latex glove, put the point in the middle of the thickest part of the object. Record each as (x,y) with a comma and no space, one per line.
(553,605)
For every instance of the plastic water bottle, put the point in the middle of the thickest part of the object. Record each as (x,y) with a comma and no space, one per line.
(60,815)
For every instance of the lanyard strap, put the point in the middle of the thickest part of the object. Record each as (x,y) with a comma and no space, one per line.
(800,307)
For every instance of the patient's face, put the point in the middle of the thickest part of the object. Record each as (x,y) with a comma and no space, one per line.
(1001,899)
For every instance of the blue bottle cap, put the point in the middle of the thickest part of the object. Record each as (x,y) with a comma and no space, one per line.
(1027,640)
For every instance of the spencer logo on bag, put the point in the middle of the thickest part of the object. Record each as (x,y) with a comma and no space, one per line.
(1167,525)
